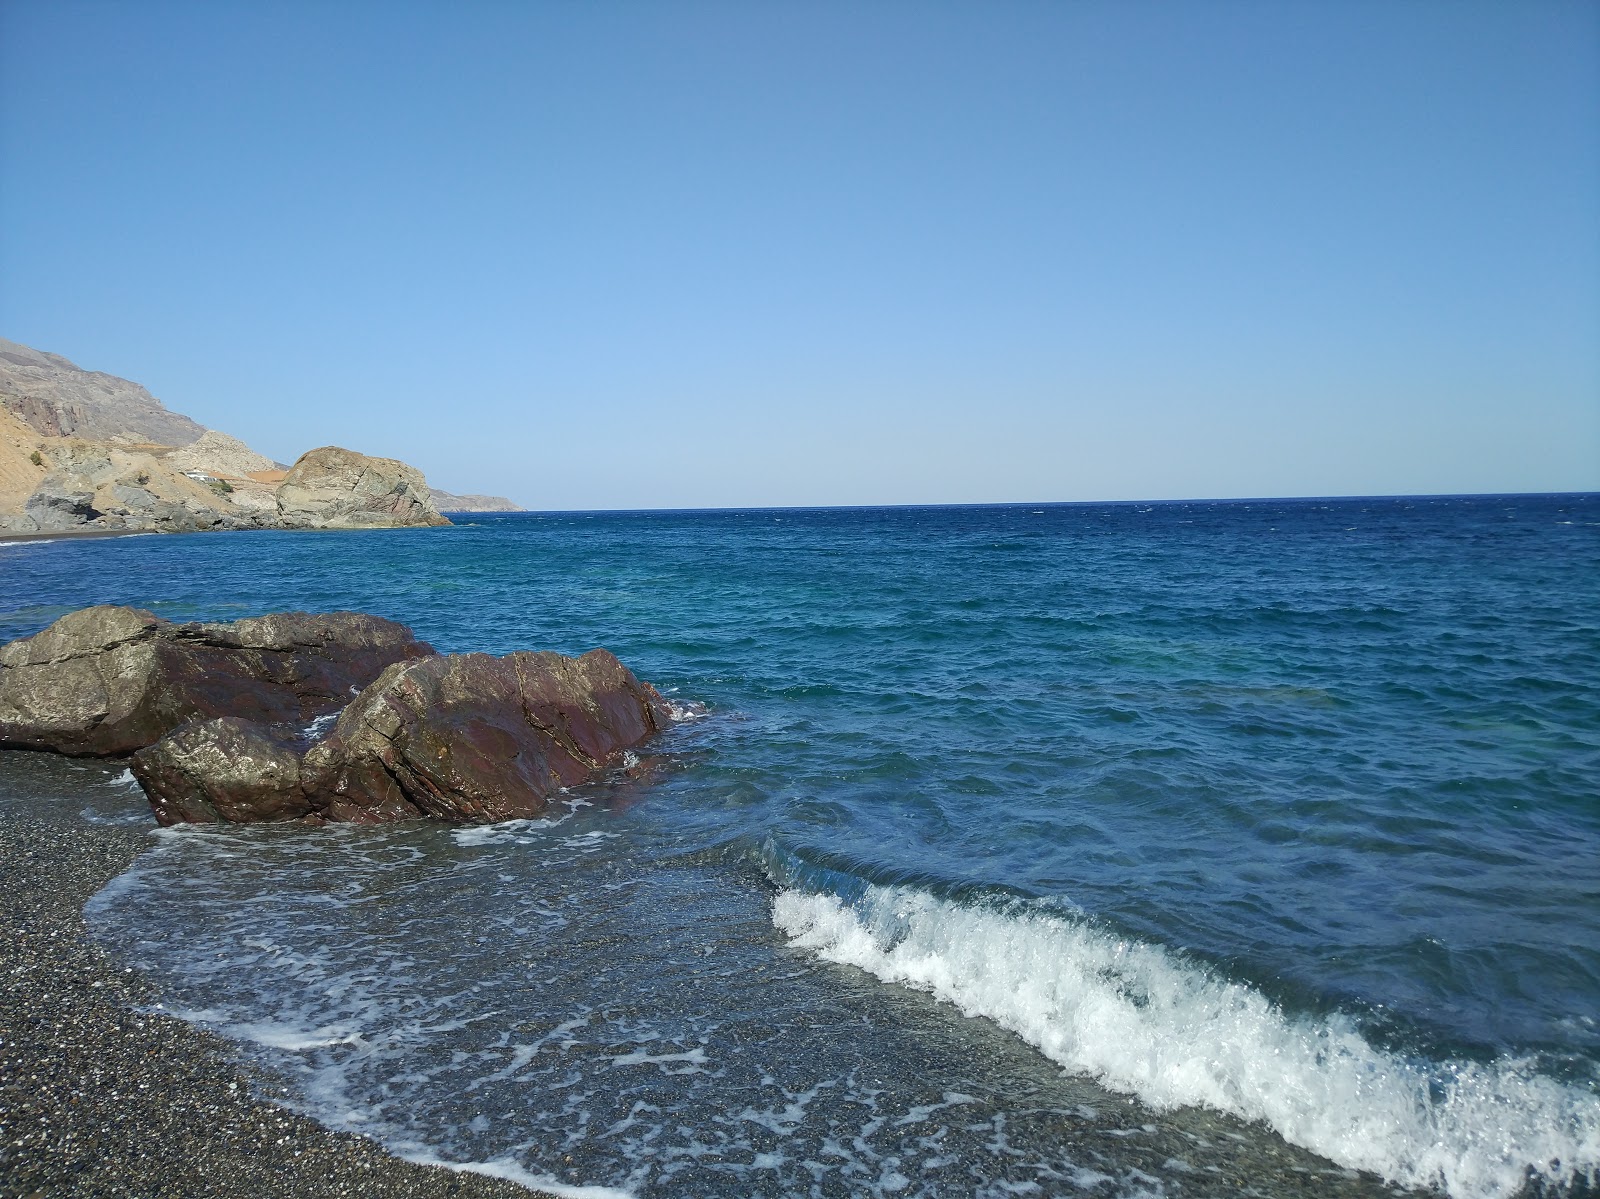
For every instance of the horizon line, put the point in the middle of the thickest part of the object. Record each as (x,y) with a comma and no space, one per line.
(1247,499)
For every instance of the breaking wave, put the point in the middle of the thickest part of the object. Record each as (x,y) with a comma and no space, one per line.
(1152,1023)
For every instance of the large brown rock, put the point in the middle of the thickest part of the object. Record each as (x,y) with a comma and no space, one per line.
(110,680)
(466,738)
(223,770)
(334,488)
(475,739)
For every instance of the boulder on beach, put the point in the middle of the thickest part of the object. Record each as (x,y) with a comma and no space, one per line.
(217,716)
(109,680)
(226,770)
(466,738)
(473,738)
(334,488)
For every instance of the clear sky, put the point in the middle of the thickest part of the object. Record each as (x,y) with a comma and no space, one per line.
(659,254)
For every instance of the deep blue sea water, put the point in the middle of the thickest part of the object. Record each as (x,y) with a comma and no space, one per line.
(1126,849)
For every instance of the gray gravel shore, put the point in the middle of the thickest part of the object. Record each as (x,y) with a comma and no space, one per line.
(99,1098)
(73,534)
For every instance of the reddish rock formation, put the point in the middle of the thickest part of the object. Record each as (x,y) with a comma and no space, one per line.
(475,739)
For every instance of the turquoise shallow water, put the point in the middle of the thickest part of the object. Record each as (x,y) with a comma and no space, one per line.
(1284,810)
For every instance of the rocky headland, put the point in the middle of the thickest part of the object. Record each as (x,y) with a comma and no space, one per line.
(83,452)
(447,502)
(333,488)
(222,720)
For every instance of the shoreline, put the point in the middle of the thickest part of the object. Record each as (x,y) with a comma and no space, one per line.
(74,534)
(99,1096)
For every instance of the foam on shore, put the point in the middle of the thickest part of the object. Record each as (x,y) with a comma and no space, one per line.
(508,1169)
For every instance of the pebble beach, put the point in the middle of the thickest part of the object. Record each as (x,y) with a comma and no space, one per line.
(101,1096)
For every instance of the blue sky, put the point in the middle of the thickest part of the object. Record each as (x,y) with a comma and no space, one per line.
(617,255)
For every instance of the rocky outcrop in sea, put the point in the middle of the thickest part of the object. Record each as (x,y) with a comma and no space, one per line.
(221,719)
(333,488)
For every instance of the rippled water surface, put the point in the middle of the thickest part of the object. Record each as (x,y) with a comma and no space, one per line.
(1175,849)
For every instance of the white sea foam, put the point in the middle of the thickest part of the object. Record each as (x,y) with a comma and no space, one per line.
(684,712)
(510,1170)
(321,724)
(507,832)
(291,1037)
(690,1061)
(1149,1022)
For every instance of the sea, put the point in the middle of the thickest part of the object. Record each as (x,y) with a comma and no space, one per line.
(1135,849)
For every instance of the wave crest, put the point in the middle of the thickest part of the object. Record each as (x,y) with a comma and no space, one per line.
(1145,1021)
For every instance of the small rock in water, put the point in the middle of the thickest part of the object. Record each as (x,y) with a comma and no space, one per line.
(223,770)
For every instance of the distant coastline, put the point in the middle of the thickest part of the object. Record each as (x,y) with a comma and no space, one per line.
(73,534)
(84,451)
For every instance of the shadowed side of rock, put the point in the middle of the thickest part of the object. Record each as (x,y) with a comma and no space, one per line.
(108,680)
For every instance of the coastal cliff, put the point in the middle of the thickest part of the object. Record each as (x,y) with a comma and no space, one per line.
(447,502)
(84,451)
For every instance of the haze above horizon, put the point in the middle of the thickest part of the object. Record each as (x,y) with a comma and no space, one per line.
(692,255)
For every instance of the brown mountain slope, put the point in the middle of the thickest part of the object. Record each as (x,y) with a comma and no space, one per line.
(59,399)
(19,475)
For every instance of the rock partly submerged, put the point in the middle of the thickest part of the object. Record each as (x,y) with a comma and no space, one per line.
(223,771)
(216,716)
(466,738)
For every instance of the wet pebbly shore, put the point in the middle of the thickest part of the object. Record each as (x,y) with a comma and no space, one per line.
(100,1098)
